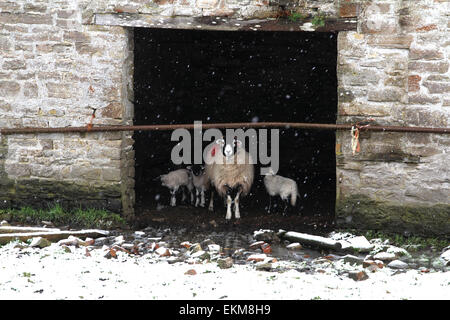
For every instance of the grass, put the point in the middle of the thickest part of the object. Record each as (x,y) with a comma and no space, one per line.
(84,218)
(318,20)
(295,16)
(412,243)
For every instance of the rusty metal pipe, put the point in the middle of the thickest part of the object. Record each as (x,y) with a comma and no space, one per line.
(165,127)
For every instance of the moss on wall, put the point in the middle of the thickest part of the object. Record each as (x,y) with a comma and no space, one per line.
(361,212)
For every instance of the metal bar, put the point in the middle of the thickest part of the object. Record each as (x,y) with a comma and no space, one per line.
(165,127)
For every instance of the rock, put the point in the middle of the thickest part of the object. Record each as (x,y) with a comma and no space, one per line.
(191,272)
(384,256)
(101,241)
(70,241)
(195,248)
(213,248)
(172,260)
(4,223)
(257,257)
(372,268)
(118,241)
(47,223)
(266,235)
(20,246)
(186,244)
(213,223)
(139,234)
(263,266)
(87,242)
(163,252)
(438,263)
(294,246)
(256,245)
(399,252)
(128,246)
(40,242)
(353,259)
(110,253)
(201,255)
(397,264)
(238,253)
(206,242)
(360,244)
(358,275)
(66,249)
(225,263)
(266,248)
(445,257)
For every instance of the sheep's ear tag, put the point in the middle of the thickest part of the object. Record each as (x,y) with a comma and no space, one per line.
(213,152)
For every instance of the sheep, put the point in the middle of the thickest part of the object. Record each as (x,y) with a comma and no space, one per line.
(230,169)
(176,179)
(201,184)
(282,186)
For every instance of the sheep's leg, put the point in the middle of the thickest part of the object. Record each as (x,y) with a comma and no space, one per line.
(192,196)
(270,204)
(285,206)
(183,199)
(173,199)
(237,214)
(202,202)
(228,216)
(211,201)
(196,197)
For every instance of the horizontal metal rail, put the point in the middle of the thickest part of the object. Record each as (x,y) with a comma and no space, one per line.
(165,127)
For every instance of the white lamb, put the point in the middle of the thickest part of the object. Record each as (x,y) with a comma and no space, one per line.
(201,185)
(178,179)
(230,169)
(284,187)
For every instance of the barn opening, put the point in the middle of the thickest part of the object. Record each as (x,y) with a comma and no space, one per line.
(182,76)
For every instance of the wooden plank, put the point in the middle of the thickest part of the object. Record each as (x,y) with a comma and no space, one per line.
(53,236)
(311,240)
(11,229)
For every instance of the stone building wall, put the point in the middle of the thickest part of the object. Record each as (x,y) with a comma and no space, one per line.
(53,72)
(395,69)
(60,59)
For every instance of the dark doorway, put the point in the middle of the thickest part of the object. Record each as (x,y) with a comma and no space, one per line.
(215,76)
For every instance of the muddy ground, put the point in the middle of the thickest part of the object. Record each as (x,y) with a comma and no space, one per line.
(197,218)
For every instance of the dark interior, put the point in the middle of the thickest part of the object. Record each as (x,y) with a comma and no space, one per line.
(218,76)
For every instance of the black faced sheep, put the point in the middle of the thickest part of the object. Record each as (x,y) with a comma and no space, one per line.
(230,170)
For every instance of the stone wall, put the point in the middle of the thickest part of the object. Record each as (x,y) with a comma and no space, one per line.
(54,71)
(395,69)
(60,60)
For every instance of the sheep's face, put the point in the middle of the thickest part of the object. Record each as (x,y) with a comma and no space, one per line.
(229,149)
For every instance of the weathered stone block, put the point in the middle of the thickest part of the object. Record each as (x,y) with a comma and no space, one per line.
(30,90)
(9,88)
(385,95)
(414,83)
(420,98)
(429,66)
(390,41)
(349,9)
(425,53)
(437,84)
(113,110)
(25,18)
(58,90)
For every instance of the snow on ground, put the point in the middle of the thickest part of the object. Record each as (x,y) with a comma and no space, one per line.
(50,273)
